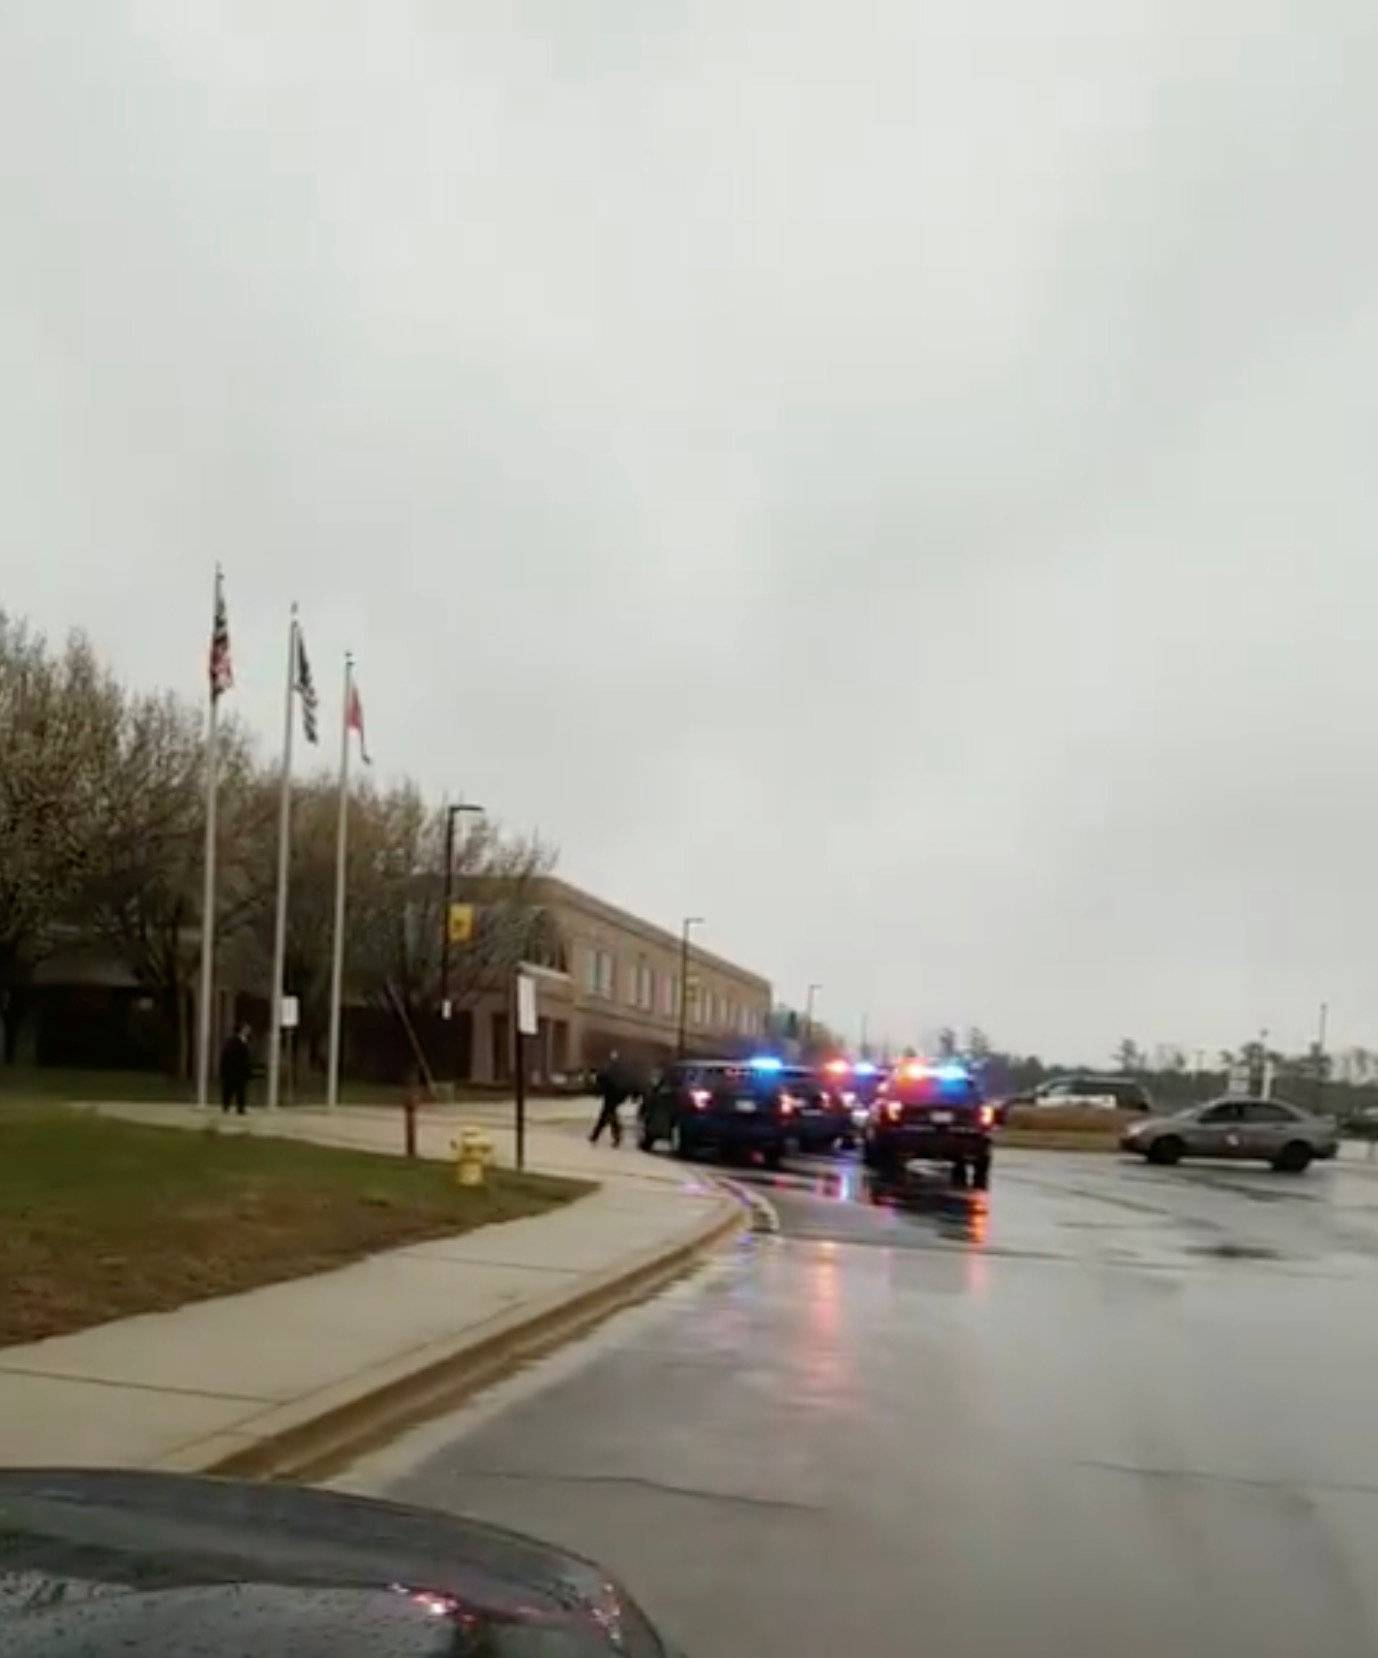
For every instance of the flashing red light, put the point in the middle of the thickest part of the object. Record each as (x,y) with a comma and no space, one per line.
(915,1072)
(837,1067)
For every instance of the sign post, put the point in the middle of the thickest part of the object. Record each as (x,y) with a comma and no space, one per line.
(524,1025)
(291,1018)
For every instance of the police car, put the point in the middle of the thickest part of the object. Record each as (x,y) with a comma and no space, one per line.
(723,1106)
(930,1112)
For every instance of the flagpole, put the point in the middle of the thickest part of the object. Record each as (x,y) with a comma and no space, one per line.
(284,835)
(332,1081)
(203,1006)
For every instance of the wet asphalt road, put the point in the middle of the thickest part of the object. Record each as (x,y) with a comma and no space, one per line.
(1106,1409)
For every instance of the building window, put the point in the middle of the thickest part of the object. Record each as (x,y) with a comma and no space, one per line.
(669,991)
(645,986)
(601,977)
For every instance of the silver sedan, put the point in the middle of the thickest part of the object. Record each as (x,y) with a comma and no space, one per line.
(1270,1131)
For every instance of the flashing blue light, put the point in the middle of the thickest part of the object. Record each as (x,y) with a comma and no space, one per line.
(864,1068)
(767,1062)
(952,1073)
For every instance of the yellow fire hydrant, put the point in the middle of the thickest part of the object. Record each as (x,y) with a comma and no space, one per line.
(475,1151)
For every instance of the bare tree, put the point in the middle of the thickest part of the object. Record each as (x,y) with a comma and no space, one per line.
(396,938)
(59,720)
(1128,1057)
(142,892)
(978,1047)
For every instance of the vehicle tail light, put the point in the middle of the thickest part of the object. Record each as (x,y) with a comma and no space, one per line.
(700,1098)
(894,1110)
(986,1116)
(787,1104)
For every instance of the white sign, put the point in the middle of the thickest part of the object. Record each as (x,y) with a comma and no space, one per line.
(526,1005)
(291,1013)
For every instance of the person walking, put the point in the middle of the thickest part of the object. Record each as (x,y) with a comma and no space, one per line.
(612,1090)
(236,1067)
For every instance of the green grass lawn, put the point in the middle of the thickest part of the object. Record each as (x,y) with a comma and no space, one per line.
(100,1219)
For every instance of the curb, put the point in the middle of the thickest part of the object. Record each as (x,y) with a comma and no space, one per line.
(314,1436)
(765,1217)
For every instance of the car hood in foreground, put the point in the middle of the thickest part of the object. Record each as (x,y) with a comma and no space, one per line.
(94,1563)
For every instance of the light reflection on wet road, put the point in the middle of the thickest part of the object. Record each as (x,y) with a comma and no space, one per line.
(1106,1406)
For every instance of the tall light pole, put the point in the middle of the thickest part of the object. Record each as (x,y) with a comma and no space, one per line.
(690,921)
(808,1015)
(451,813)
(1320,1057)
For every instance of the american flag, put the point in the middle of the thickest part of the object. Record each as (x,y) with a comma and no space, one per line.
(221,668)
(305,688)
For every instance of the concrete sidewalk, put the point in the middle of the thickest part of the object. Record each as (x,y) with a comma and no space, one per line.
(202,1387)
(556,1135)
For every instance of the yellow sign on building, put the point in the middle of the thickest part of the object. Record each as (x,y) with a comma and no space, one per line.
(461,923)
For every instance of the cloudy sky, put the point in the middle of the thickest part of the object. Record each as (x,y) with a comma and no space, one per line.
(894,479)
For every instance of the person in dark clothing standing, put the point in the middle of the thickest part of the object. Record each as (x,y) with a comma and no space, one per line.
(612,1090)
(236,1067)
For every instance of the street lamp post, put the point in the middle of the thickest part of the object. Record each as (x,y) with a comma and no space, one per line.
(451,813)
(690,921)
(808,1015)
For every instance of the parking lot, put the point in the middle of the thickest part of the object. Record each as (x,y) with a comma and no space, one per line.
(1105,1405)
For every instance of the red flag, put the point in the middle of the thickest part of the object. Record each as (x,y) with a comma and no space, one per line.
(354,720)
(221,668)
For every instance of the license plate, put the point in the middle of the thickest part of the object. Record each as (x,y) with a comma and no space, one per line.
(943,1117)
(746,1105)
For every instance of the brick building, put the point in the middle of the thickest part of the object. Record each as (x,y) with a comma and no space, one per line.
(606,979)
(612,980)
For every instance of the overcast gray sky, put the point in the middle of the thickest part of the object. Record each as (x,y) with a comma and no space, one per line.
(893,479)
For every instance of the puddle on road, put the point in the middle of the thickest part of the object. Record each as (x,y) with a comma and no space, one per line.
(957,1216)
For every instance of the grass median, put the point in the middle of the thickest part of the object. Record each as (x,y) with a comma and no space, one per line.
(1064,1128)
(100,1219)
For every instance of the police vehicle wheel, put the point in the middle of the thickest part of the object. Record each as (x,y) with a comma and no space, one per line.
(679,1141)
(772,1158)
(980,1174)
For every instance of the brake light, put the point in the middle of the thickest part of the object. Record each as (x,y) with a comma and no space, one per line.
(894,1110)
(700,1098)
(787,1104)
(986,1116)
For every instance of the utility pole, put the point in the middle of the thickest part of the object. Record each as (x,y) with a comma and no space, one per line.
(690,921)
